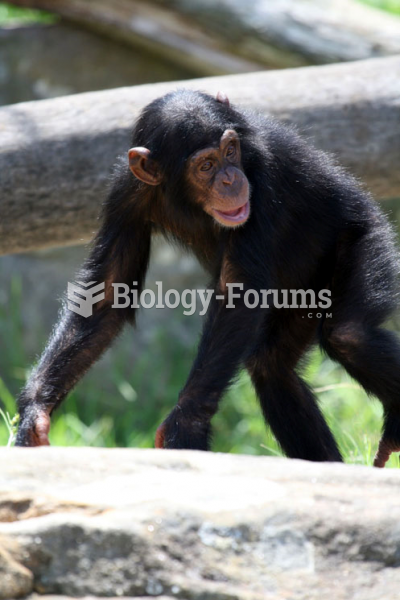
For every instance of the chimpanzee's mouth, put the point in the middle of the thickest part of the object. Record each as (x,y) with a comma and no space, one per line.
(236,216)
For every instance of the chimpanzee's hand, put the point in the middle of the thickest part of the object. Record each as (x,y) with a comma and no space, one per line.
(182,430)
(34,426)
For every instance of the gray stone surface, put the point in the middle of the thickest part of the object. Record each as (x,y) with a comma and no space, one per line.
(198,526)
(15,579)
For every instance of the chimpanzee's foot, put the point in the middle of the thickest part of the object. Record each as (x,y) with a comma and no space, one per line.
(160,436)
(385,449)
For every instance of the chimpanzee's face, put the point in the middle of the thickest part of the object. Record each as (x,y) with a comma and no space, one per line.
(217,179)
(214,175)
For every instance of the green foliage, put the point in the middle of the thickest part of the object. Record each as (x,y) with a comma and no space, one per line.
(354,418)
(124,407)
(13,14)
(11,425)
(392,6)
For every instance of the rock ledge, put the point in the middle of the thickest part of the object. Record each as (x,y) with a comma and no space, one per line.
(198,526)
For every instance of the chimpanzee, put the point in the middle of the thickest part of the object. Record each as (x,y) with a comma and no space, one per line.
(257,206)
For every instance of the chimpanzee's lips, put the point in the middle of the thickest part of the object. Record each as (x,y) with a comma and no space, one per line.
(236,215)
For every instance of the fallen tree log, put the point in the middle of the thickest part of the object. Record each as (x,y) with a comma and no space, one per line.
(56,155)
(235,36)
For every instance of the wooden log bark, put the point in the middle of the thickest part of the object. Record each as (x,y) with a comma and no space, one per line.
(230,37)
(56,155)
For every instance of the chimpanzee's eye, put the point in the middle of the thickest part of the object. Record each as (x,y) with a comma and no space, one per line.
(206,166)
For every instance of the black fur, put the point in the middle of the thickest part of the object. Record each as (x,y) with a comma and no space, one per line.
(311,227)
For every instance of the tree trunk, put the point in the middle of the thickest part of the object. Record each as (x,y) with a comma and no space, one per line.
(236,36)
(56,155)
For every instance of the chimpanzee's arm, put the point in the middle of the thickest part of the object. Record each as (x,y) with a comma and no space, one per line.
(228,338)
(120,254)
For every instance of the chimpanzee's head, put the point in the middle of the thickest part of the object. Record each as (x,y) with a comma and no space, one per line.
(190,138)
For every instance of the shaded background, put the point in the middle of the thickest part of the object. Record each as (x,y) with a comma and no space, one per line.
(128,393)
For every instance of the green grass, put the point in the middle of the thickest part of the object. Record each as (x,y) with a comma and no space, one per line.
(12,14)
(124,407)
(354,418)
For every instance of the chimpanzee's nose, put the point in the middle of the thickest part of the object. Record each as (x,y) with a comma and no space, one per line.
(229,176)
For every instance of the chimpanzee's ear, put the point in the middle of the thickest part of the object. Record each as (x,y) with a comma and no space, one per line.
(143,167)
(223,98)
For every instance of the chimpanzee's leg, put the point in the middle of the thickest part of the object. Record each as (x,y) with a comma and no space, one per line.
(288,405)
(228,335)
(371,356)
(363,295)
